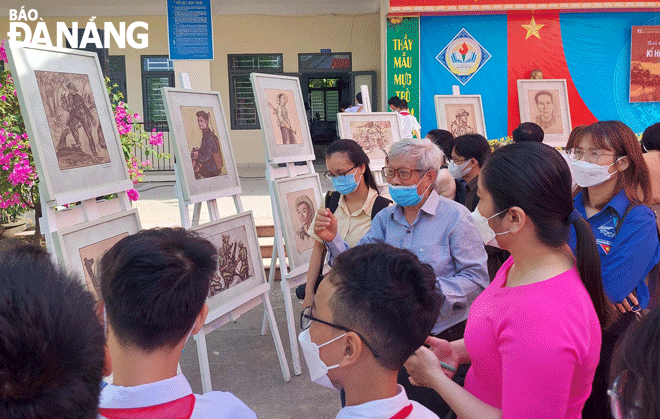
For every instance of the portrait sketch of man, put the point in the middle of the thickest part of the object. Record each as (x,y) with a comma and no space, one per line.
(373,137)
(544,110)
(461,119)
(284,116)
(90,257)
(73,119)
(203,142)
(302,210)
(234,259)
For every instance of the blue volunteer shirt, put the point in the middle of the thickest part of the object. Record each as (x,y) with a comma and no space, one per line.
(626,258)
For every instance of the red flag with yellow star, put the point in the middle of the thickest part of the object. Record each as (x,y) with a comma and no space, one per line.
(534,42)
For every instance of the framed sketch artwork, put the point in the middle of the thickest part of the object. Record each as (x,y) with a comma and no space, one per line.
(240,269)
(298,198)
(69,120)
(204,157)
(282,117)
(545,102)
(375,132)
(460,114)
(81,247)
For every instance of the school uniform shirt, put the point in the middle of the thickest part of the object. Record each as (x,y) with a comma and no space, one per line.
(625,258)
(397,407)
(170,398)
(350,226)
(407,124)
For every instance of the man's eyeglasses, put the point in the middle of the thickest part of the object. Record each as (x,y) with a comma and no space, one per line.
(404,173)
(331,176)
(306,320)
(591,155)
(626,396)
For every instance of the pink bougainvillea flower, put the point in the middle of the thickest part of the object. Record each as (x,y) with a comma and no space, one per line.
(3,98)
(133,195)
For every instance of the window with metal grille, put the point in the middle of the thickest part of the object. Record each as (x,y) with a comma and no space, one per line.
(243,108)
(157,72)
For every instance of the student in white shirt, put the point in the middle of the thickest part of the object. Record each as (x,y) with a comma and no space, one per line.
(409,124)
(154,285)
(372,311)
(358,108)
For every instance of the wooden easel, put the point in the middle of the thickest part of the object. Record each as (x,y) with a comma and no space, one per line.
(297,276)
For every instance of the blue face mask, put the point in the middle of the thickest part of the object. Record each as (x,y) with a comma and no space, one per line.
(345,184)
(406,196)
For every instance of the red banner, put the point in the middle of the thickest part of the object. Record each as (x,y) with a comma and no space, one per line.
(535,43)
(490,6)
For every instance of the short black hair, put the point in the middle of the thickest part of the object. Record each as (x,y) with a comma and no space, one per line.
(393,101)
(358,97)
(403,104)
(387,295)
(154,285)
(651,137)
(443,139)
(527,131)
(472,146)
(51,341)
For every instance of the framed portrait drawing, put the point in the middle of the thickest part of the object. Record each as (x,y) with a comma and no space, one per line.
(460,114)
(282,117)
(298,198)
(545,102)
(81,247)
(240,268)
(72,130)
(375,132)
(204,157)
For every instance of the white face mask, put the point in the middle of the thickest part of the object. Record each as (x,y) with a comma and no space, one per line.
(457,171)
(587,174)
(318,371)
(488,235)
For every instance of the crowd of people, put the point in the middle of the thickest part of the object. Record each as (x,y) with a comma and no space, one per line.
(517,283)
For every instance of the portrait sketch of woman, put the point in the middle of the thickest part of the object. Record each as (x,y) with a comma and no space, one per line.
(203,142)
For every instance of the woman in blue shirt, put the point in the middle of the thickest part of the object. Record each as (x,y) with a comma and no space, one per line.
(613,183)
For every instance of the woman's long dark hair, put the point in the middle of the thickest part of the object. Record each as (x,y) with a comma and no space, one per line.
(536,178)
(637,356)
(356,155)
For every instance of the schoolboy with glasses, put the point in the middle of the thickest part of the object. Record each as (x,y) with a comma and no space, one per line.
(370,313)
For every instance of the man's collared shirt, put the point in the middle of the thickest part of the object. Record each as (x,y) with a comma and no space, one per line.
(213,405)
(444,236)
(626,258)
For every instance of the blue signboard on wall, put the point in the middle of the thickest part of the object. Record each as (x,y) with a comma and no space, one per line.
(190,29)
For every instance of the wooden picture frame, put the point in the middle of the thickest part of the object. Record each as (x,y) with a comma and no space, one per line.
(460,114)
(375,132)
(241,276)
(70,123)
(298,198)
(204,156)
(540,101)
(283,118)
(81,246)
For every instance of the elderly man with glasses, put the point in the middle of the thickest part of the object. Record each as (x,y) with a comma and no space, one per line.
(438,230)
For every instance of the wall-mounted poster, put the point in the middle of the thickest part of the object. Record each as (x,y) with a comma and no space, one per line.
(81,247)
(460,114)
(545,102)
(70,123)
(282,117)
(204,156)
(298,199)
(645,64)
(240,269)
(375,132)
